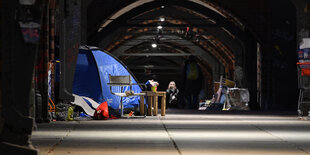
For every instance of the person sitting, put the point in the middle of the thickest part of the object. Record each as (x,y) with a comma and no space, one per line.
(172,95)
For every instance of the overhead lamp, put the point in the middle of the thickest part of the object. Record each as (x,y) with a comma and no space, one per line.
(154,45)
(162,19)
(159,27)
(162,6)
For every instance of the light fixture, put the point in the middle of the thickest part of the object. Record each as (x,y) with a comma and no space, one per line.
(154,45)
(162,19)
(159,27)
(162,6)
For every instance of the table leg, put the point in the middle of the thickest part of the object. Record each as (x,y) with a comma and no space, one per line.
(155,105)
(163,105)
(141,105)
(150,105)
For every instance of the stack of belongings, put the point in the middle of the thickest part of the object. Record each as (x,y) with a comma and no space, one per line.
(304,56)
(304,50)
(237,99)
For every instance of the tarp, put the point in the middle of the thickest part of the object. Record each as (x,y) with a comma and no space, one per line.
(92,75)
(88,105)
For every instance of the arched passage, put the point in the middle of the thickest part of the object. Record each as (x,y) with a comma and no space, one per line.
(219,39)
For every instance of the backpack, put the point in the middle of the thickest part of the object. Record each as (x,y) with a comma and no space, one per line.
(192,71)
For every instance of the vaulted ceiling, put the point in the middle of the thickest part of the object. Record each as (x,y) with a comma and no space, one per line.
(179,29)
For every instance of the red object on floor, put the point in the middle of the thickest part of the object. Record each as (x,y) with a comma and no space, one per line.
(102,111)
(113,117)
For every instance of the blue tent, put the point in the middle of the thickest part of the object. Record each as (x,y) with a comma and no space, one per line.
(92,75)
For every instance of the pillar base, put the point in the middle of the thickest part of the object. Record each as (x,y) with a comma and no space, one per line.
(9,148)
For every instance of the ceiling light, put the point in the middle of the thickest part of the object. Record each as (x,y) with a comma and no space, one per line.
(162,7)
(162,19)
(159,27)
(154,45)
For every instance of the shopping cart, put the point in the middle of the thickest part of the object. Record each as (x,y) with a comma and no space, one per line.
(304,88)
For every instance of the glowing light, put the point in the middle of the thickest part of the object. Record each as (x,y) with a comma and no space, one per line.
(162,19)
(159,27)
(154,45)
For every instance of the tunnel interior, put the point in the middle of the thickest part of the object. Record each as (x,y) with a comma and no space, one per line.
(221,43)
(253,43)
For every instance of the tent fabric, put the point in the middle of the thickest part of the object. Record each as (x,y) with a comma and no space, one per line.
(92,75)
(86,80)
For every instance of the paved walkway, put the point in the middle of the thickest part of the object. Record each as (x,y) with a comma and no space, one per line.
(181,132)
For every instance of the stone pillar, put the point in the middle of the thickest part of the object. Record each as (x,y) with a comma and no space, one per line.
(42,63)
(70,36)
(20,27)
(84,7)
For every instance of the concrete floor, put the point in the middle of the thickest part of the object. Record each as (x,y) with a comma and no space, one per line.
(179,132)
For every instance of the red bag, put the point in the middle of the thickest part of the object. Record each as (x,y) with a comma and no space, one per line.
(102,111)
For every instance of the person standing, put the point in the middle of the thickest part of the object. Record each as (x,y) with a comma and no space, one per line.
(192,82)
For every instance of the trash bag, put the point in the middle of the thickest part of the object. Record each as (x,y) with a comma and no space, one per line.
(215,106)
(102,111)
(61,116)
(62,111)
(238,99)
(83,117)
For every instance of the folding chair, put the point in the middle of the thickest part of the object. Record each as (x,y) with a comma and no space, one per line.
(121,81)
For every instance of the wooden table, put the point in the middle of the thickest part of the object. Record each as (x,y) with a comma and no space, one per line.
(153,103)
